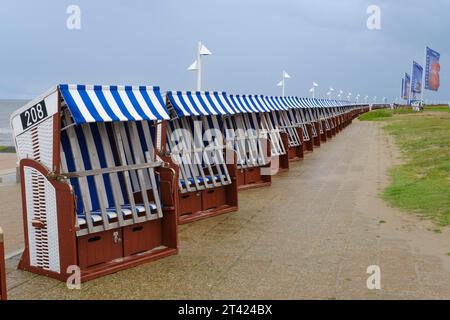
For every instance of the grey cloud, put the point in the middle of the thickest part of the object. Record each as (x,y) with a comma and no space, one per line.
(153,42)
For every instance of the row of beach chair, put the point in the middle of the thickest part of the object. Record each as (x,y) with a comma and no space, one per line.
(108,172)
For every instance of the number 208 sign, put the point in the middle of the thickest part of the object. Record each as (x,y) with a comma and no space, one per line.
(33,115)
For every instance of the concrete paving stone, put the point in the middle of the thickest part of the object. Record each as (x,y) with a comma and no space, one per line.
(313,291)
(429,267)
(436,291)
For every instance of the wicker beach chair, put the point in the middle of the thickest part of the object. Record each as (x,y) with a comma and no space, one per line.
(95,194)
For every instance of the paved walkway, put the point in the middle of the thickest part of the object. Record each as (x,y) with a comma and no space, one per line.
(8,162)
(10,203)
(312,234)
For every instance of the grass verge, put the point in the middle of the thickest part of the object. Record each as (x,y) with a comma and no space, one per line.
(7,149)
(422,184)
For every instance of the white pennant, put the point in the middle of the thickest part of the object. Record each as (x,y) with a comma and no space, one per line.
(193,66)
(204,51)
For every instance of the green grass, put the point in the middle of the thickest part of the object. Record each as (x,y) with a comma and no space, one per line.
(382,114)
(422,184)
(375,115)
(7,149)
(437,108)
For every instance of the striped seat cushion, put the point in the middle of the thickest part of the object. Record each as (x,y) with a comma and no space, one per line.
(200,180)
(112,213)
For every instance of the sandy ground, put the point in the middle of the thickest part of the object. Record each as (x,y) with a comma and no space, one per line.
(311,235)
(7,162)
(11,219)
(10,208)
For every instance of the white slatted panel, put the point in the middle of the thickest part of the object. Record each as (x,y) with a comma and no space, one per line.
(41,205)
(37,143)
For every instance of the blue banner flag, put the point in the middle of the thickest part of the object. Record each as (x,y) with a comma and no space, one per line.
(416,82)
(432,69)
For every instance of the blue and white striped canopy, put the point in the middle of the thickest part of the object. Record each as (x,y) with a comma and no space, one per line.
(293,102)
(275,103)
(296,102)
(248,103)
(188,103)
(290,102)
(299,103)
(321,103)
(113,103)
(268,103)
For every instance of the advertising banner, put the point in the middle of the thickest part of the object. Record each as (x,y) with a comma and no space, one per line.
(432,68)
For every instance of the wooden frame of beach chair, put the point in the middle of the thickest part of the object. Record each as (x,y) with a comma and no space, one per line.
(333,119)
(325,120)
(279,140)
(347,114)
(308,130)
(207,184)
(318,122)
(299,120)
(293,128)
(95,197)
(311,115)
(310,135)
(339,118)
(3,295)
(268,112)
(252,145)
(342,117)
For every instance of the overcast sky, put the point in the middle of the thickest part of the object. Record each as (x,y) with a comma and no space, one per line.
(152,42)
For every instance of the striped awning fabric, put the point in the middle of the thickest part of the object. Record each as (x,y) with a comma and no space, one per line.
(247,103)
(113,103)
(188,103)
(296,102)
(278,103)
(321,103)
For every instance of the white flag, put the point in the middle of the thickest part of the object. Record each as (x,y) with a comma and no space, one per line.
(315,84)
(285,75)
(204,51)
(311,90)
(279,84)
(331,89)
(193,66)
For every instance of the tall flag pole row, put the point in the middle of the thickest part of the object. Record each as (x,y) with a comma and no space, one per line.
(422,78)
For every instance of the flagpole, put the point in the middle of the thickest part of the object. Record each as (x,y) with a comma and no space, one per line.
(282,84)
(402,96)
(423,75)
(403,87)
(199,67)
(410,84)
